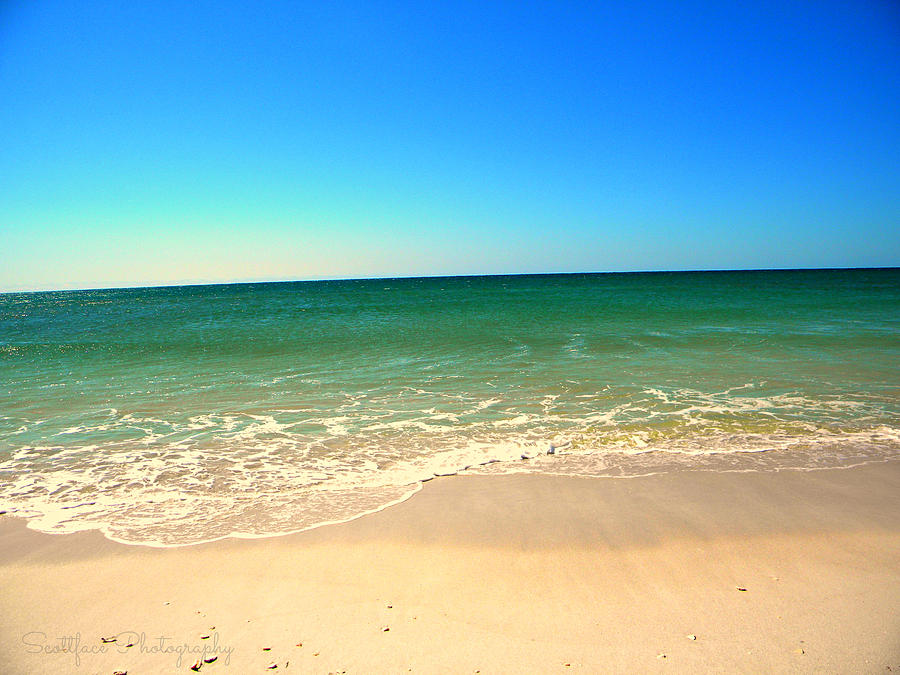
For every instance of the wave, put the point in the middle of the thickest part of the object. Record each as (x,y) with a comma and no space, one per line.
(143,479)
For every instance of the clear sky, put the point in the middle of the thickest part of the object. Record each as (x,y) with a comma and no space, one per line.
(164,142)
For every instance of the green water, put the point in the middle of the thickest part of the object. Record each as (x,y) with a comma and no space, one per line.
(172,415)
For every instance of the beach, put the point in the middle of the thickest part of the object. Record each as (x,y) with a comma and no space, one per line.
(688,472)
(687,571)
(447,338)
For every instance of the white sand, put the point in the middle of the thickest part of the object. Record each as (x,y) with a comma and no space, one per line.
(516,574)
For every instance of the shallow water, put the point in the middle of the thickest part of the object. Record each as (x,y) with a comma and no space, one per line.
(174,415)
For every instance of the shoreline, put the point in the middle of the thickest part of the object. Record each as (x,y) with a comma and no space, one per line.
(417,486)
(508,573)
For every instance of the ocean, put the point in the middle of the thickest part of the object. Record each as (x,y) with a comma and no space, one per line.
(175,415)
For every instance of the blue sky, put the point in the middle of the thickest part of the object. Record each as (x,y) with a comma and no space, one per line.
(148,143)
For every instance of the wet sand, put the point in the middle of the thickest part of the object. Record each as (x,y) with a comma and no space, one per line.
(786,571)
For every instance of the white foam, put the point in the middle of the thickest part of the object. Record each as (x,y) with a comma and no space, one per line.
(265,472)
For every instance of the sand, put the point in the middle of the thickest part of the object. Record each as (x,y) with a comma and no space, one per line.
(499,574)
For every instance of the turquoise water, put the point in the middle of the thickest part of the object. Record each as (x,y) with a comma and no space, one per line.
(174,415)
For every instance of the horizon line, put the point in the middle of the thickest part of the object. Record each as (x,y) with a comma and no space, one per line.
(257,280)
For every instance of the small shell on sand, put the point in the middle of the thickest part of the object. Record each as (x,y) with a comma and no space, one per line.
(385,629)
(267,649)
(197,665)
(272,666)
(742,589)
(691,637)
(210,659)
(660,656)
(121,672)
(204,637)
(108,639)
